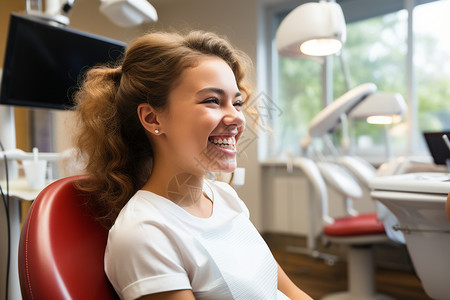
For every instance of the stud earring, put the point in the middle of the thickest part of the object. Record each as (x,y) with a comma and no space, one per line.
(156,131)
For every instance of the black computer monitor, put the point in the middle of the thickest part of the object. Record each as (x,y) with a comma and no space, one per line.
(438,149)
(43,62)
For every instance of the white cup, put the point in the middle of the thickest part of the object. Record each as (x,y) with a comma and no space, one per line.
(35,173)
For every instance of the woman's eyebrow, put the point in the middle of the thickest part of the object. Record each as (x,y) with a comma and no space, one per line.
(217,91)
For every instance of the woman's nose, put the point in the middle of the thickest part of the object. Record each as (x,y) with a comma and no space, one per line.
(234,116)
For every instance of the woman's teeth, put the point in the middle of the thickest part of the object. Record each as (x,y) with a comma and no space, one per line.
(224,142)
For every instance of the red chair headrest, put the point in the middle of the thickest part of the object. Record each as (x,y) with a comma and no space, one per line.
(62,247)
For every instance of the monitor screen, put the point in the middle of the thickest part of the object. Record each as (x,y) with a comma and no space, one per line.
(438,149)
(43,62)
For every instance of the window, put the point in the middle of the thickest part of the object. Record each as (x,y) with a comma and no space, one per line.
(299,99)
(432,65)
(376,51)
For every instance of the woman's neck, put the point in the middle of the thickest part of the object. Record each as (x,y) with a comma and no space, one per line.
(182,188)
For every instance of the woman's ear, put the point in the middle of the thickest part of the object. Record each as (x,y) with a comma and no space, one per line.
(149,118)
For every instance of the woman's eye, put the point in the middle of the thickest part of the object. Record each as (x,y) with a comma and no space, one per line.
(238,103)
(211,100)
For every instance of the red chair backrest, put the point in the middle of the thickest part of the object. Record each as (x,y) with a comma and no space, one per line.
(61,248)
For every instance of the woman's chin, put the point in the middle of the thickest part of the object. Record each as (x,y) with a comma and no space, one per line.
(225,166)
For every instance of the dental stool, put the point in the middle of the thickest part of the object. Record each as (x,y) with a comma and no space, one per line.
(359,231)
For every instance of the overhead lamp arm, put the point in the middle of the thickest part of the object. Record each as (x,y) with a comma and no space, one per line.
(52,12)
(123,13)
(67,7)
(128,13)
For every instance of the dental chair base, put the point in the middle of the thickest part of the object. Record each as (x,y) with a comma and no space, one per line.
(360,234)
(360,287)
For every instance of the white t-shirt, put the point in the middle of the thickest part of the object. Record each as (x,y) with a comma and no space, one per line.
(156,246)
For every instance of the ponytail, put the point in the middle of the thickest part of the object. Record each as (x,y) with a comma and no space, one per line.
(100,138)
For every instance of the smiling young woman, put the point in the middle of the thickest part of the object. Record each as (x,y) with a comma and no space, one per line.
(149,130)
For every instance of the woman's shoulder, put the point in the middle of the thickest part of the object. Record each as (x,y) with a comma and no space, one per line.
(142,208)
(143,204)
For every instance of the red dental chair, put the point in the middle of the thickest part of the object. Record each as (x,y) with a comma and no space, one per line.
(61,248)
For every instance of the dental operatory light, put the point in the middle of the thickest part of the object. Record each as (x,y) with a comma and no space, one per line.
(380,108)
(320,47)
(329,118)
(312,29)
(383,120)
(128,13)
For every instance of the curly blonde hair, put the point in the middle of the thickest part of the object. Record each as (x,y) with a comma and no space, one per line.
(110,136)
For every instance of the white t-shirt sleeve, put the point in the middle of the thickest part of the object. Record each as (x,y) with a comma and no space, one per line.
(141,259)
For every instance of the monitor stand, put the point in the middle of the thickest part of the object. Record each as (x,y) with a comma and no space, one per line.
(8,139)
